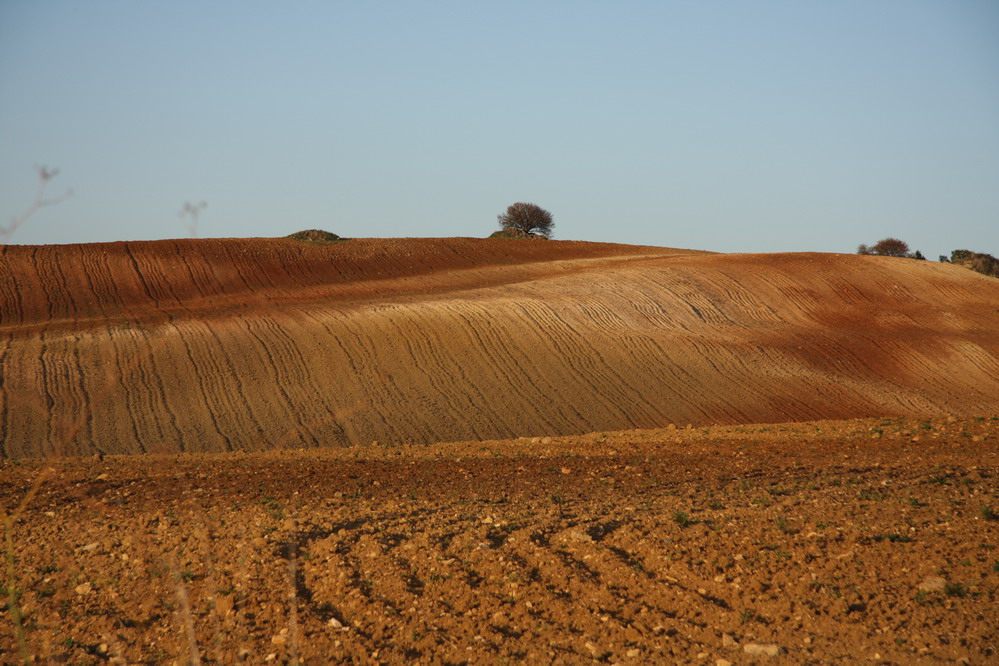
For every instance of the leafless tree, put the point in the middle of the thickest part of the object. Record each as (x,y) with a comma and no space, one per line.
(45,174)
(193,212)
(528,218)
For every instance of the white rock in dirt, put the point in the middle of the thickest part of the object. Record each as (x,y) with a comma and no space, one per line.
(759,650)
(83,588)
(932,584)
(723,662)
(729,642)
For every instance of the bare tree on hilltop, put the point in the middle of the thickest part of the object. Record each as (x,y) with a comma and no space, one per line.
(527,218)
(192,211)
(44,176)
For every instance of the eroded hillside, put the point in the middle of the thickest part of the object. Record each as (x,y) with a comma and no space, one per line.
(249,344)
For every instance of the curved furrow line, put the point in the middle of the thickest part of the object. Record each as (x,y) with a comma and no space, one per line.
(581,352)
(662,364)
(726,383)
(849,293)
(666,382)
(731,291)
(260,279)
(209,400)
(376,366)
(157,272)
(339,374)
(569,385)
(331,340)
(197,271)
(293,364)
(978,368)
(665,311)
(69,291)
(433,342)
(600,316)
(888,283)
(950,290)
(87,410)
(147,289)
(704,305)
(27,416)
(110,296)
(160,395)
(6,342)
(37,285)
(605,378)
(128,388)
(313,416)
(476,324)
(654,310)
(230,378)
(44,285)
(49,437)
(11,301)
(471,374)
(142,407)
(443,336)
(426,367)
(155,412)
(985,361)
(799,303)
(265,332)
(100,286)
(539,401)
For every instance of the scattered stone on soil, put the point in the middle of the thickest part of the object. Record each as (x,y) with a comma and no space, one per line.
(801,543)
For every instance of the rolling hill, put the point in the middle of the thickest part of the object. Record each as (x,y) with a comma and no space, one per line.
(250,344)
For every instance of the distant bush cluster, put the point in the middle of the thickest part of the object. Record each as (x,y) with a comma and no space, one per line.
(890,247)
(979,262)
(317,236)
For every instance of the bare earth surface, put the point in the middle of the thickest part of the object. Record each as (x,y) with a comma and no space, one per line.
(868,541)
(287,497)
(254,344)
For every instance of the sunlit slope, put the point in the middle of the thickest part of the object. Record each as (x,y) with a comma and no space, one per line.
(265,343)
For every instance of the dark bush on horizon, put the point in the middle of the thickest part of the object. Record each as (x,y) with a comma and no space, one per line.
(317,236)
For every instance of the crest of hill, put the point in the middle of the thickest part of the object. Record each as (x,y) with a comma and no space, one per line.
(45,283)
(218,345)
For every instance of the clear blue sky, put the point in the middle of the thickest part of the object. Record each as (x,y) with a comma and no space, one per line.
(730,126)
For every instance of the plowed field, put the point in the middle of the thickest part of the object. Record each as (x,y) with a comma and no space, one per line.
(288,497)
(256,344)
(820,543)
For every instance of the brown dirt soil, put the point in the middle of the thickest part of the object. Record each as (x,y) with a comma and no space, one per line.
(807,541)
(256,344)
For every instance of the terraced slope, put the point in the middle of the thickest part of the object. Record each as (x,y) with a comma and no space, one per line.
(215,345)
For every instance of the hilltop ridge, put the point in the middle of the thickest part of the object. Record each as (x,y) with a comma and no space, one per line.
(215,345)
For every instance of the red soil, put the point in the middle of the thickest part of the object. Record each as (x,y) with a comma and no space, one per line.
(214,345)
(820,543)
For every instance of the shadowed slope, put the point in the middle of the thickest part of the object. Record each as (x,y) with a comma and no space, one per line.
(221,344)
